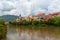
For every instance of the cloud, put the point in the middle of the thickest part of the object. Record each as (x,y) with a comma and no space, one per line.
(6,6)
(23,7)
(54,6)
(27,7)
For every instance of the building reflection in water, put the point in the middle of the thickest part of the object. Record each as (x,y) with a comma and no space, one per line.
(21,34)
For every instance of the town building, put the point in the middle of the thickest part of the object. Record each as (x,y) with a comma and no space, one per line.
(19,18)
(40,16)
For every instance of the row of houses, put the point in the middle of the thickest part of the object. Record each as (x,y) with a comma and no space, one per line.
(31,17)
(40,16)
(51,15)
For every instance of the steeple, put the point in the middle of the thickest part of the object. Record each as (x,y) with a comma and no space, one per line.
(20,16)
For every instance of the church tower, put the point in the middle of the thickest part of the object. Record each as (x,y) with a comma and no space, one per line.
(20,16)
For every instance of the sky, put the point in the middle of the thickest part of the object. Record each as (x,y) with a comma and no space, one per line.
(28,7)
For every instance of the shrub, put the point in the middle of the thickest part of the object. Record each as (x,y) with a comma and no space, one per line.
(56,21)
(3,29)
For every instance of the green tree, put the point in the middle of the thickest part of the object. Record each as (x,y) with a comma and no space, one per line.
(56,21)
(3,29)
(2,22)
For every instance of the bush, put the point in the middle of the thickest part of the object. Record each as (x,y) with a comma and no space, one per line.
(54,21)
(2,22)
(3,29)
(50,22)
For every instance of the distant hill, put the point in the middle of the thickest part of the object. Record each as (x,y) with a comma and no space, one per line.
(8,17)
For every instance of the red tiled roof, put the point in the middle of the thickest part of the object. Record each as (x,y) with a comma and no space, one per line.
(49,15)
(40,14)
(56,13)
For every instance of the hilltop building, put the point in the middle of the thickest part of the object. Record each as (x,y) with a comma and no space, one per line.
(36,17)
(40,16)
(51,15)
(19,18)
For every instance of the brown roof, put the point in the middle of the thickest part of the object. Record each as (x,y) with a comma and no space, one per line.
(49,15)
(55,13)
(41,14)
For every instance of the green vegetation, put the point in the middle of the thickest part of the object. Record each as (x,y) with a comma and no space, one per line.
(28,23)
(3,29)
(51,22)
(55,21)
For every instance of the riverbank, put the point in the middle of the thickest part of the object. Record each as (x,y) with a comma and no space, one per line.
(25,32)
(51,22)
(36,28)
(3,29)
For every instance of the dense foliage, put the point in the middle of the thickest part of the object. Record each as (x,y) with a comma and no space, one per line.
(54,21)
(3,29)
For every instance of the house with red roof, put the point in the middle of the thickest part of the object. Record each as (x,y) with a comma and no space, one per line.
(47,17)
(52,15)
(41,16)
(35,17)
(56,14)
(38,16)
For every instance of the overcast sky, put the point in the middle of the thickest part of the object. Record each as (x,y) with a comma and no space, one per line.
(27,7)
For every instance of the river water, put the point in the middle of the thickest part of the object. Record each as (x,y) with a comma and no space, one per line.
(27,33)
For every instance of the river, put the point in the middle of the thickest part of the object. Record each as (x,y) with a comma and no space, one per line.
(42,33)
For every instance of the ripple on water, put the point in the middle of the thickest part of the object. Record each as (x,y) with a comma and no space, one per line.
(16,33)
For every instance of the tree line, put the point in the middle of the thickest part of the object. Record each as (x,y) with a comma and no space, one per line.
(3,29)
(52,22)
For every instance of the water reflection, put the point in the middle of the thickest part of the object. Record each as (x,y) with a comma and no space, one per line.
(17,33)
